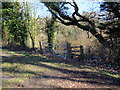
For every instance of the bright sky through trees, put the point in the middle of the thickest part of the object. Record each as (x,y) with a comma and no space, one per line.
(88,6)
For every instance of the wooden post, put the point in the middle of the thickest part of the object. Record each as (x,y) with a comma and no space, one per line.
(68,50)
(41,48)
(89,52)
(81,52)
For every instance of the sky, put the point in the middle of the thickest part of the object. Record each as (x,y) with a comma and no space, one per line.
(88,6)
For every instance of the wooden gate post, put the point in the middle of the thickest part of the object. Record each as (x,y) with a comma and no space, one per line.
(68,50)
(89,53)
(41,48)
(81,52)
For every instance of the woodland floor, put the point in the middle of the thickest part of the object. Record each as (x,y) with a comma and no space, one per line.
(26,70)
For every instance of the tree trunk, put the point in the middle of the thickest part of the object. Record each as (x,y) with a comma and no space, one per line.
(33,43)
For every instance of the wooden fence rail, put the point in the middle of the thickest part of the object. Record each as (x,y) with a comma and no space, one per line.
(65,48)
(56,43)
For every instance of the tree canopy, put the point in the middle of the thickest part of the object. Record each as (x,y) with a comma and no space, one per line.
(59,10)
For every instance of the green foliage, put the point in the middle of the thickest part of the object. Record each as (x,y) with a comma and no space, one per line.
(30,23)
(13,23)
(18,31)
(17,22)
(51,27)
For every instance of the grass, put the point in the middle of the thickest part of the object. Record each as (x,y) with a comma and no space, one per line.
(110,73)
(12,82)
(62,65)
(19,66)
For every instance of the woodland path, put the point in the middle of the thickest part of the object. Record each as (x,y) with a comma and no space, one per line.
(32,70)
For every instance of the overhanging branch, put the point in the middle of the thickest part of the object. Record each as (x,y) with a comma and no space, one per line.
(67,20)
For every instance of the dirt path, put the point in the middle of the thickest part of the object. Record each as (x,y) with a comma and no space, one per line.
(54,72)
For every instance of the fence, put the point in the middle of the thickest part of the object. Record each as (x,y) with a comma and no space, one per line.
(79,52)
(63,49)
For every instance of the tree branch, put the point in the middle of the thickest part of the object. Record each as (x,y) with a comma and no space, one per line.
(73,21)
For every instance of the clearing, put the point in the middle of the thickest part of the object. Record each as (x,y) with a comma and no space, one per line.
(22,69)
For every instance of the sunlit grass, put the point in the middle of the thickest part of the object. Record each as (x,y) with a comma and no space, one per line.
(20,70)
(109,73)
(20,66)
(12,82)
(27,66)
(63,65)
